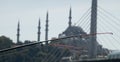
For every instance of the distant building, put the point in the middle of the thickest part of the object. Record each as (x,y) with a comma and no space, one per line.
(79,45)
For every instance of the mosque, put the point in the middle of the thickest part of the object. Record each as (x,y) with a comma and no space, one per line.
(80,46)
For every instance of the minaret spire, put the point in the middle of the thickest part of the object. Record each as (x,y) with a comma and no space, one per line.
(38,39)
(93,30)
(46,30)
(70,17)
(18,32)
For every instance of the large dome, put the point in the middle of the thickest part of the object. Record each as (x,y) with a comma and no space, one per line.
(73,30)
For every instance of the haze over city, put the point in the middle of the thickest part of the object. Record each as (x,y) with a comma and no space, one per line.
(28,12)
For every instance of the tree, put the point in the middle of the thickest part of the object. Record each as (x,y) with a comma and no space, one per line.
(5,42)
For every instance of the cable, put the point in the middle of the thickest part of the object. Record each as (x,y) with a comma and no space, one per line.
(117,42)
(61,55)
(85,25)
(105,29)
(111,24)
(54,50)
(109,13)
(84,16)
(103,38)
(110,17)
(84,21)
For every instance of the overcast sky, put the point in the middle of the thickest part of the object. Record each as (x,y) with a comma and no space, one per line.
(28,13)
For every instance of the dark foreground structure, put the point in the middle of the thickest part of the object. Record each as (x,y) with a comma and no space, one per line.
(109,60)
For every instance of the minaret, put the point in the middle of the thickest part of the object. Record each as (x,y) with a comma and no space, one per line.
(38,39)
(18,32)
(93,30)
(70,18)
(46,30)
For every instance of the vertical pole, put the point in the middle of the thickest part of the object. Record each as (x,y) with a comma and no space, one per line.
(93,29)
(39,30)
(70,18)
(18,32)
(46,30)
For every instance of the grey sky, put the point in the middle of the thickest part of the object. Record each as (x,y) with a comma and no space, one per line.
(29,11)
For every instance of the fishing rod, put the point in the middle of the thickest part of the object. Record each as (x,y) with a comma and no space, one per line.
(34,43)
